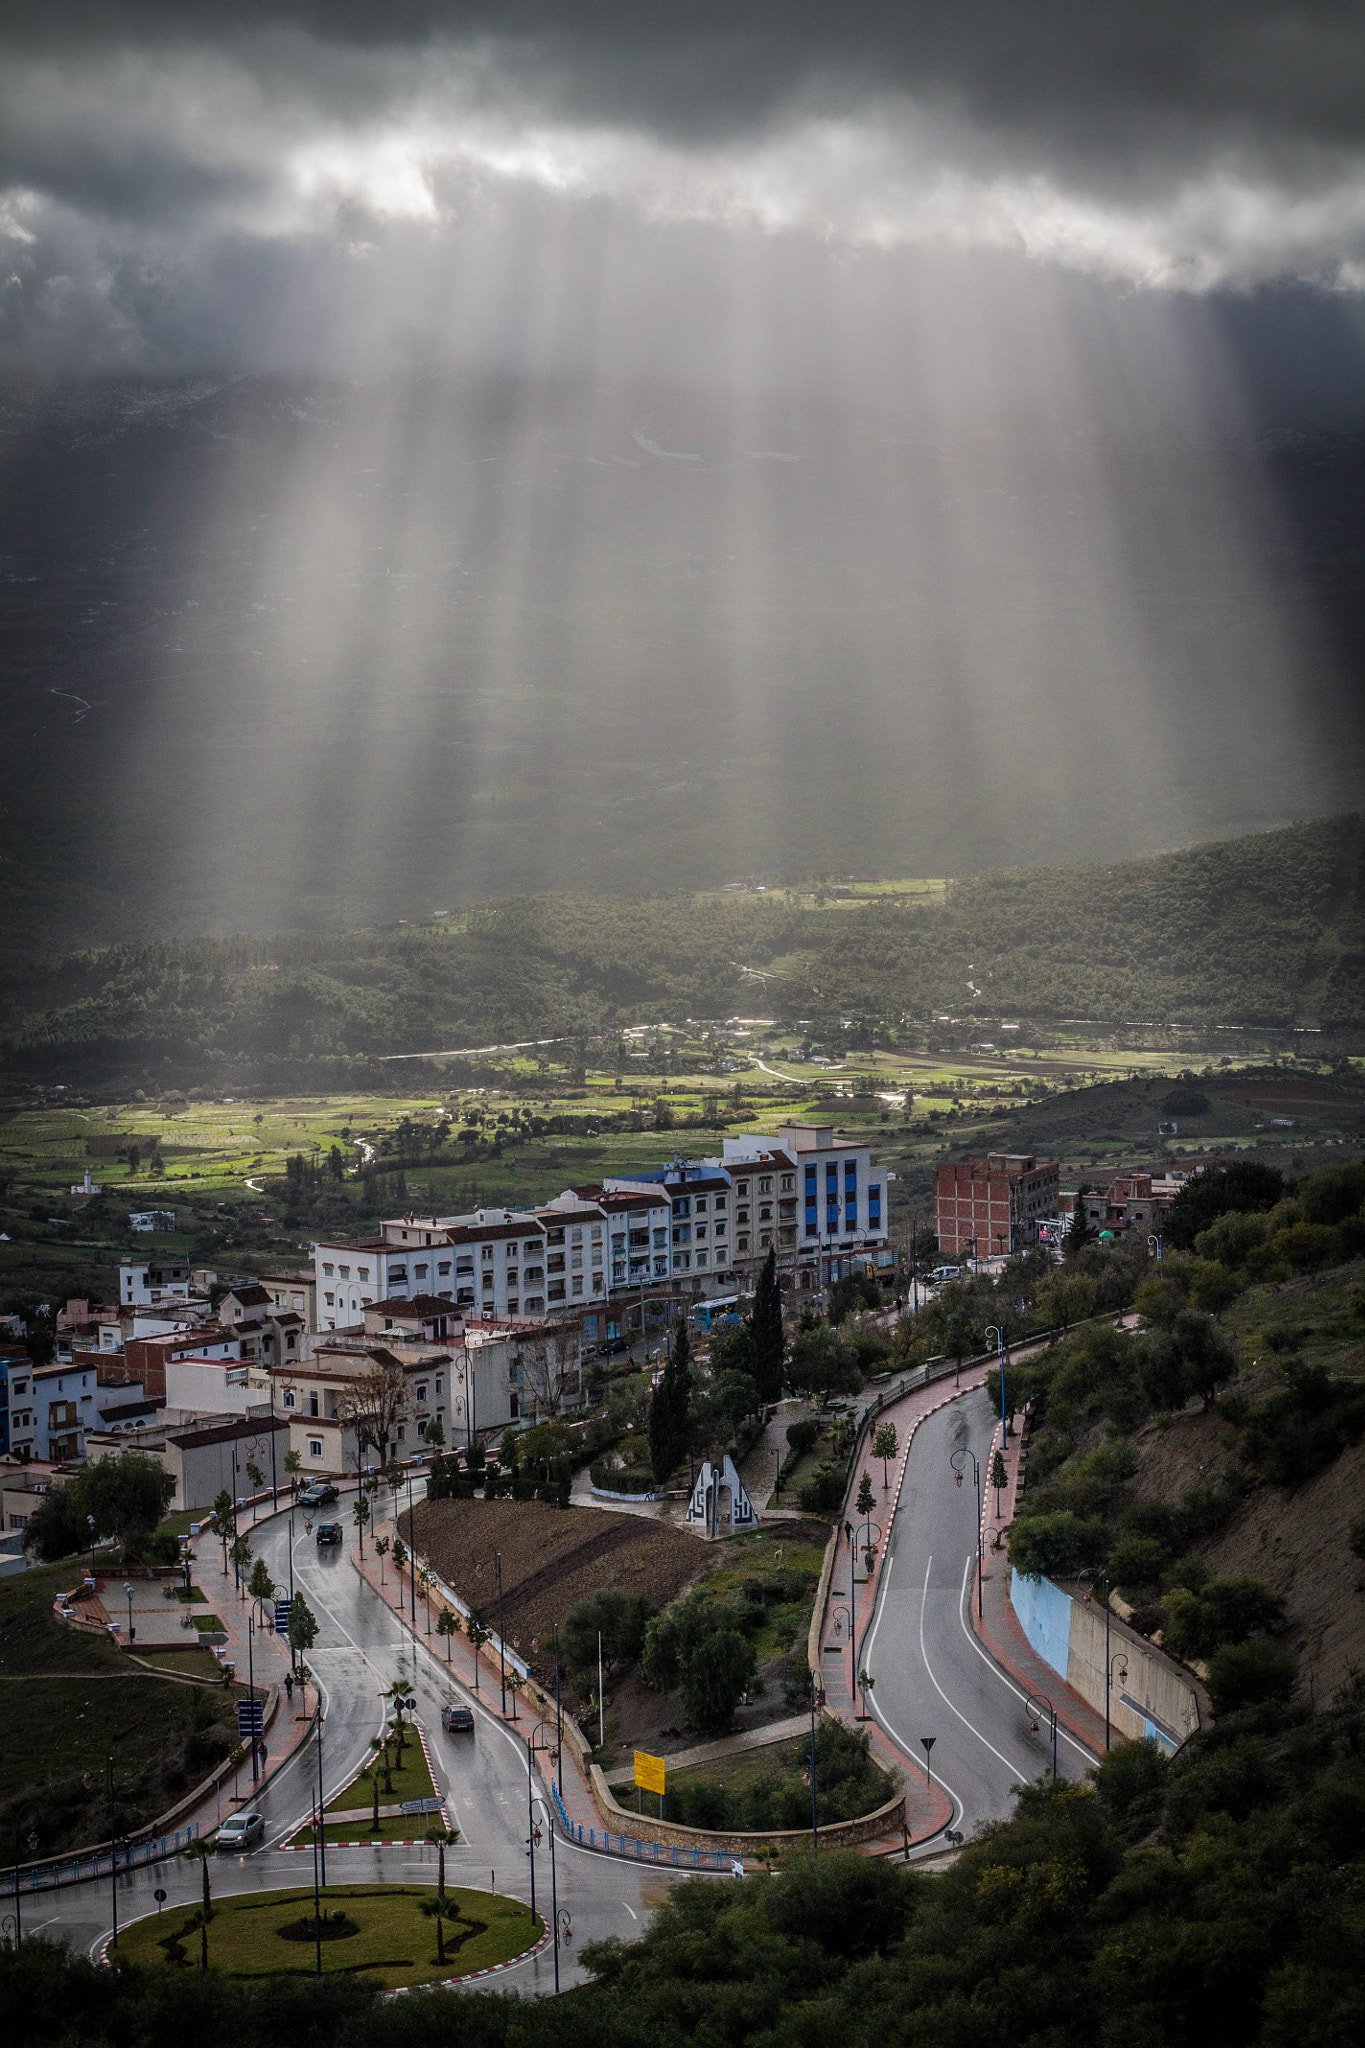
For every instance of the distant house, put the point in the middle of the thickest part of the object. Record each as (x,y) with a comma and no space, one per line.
(150,1219)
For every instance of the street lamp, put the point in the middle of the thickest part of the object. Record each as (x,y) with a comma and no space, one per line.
(957,1461)
(128,1596)
(866,1544)
(502,1648)
(1156,1244)
(847,1614)
(1035,1707)
(1119,1658)
(91,1521)
(994,1330)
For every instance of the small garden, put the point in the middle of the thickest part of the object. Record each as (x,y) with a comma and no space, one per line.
(395,1934)
(761,1791)
(397,1774)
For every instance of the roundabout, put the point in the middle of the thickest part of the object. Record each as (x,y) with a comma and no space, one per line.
(399,1935)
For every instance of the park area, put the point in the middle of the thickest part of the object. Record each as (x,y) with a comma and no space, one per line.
(386,1932)
(72,1701)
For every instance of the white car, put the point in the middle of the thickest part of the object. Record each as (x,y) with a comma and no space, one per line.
(242,1831)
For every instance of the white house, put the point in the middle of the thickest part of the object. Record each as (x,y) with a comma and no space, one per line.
(144,1282)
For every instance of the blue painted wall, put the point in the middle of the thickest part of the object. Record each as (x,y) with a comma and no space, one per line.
(1044,1613)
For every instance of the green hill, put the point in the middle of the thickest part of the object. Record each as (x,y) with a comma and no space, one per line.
(1267,931)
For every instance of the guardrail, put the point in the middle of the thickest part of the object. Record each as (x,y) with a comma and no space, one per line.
(635,1850)
(46,1877)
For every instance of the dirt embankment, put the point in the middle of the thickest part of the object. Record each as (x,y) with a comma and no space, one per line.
(1297,1543)
(552,1558)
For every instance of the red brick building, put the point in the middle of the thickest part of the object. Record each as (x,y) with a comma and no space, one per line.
(991,1206)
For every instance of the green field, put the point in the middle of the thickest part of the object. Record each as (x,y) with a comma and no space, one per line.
(70,1702)
(392,1940)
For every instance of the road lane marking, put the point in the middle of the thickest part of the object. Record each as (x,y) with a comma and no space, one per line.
(631,1910)
(991,1665)
(924,1597)
(959,1804)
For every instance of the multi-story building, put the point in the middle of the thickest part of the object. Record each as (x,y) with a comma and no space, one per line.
(144,1281)
(987,1208)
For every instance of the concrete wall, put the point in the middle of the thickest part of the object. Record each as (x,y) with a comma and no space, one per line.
(620,1820)
(1149,1694)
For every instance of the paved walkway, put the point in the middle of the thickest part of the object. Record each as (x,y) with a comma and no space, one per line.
(579,1806)
(999,1627)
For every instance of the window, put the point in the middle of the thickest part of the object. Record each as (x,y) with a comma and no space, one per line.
(788,1183)
(701,1205)
(578,1283)
(444,1266)
(682,1206)
(701,1230)
(741,1187)
(330,1300)
(597,1233)
(741,1217)
(719,1204)
(530,1247)
(345,1272)
(420,1271)
(362,1272)
(701,1258)
(720,1227)
(575,1237)
(744,1244)
(661,1239)
(328,1271)
(765,1186)
(315,1446)
(422,1394)
(486,1253)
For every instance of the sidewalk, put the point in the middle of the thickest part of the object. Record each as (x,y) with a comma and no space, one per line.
(999,1628)
(577,1808)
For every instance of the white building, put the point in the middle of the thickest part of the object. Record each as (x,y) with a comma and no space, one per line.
(144,1282)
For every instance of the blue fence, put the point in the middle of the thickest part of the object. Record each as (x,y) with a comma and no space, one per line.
(47,1876)
(641,1852)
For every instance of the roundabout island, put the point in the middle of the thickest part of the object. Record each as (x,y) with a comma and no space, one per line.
(398,1935)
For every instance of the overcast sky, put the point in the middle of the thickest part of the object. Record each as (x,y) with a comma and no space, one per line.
(183,183)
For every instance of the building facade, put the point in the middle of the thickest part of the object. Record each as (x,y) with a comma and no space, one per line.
(987,1208)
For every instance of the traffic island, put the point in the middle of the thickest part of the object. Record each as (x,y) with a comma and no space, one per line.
(399,1935)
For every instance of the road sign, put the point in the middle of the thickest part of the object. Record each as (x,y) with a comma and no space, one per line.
(159,1895)
(649,1772)
(250,1718)
(411,1806)
(282,1608)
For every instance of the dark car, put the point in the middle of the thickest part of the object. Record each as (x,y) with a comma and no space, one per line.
(318,1495)
(328,1533)
(457,1720)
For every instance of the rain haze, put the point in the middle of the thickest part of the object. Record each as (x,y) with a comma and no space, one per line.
(455,450)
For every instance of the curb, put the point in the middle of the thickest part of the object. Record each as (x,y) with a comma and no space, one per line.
(401,1990)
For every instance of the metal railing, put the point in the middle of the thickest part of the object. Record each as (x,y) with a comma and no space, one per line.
(630,1846)
(46,1877)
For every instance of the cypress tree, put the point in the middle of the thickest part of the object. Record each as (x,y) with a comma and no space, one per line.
(765,1327)
(668,1407)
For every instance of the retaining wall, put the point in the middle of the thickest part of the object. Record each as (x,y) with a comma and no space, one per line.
(1150,1694)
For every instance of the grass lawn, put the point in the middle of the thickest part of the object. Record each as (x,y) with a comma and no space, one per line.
(392,1940)
(412,1781)
(209,1622)
(194,1662)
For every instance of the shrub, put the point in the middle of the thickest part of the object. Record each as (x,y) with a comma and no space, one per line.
(803,1436)
(1251,1675)
(1137,1561)
(824,1494)
(1058,1544)
(1226,1611)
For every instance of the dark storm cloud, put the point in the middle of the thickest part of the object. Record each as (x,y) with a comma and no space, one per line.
(142,146)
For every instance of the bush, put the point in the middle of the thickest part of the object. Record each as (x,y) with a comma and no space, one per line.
(1137,1561)
(621,1620)
(803,1436)
(1251,1675)
(1227,1611)
(824,1494)
(1057,1545)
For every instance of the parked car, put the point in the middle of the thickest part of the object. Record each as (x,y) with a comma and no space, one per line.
(242,1831)
(328,1533)
(319,1495)
(457,1720)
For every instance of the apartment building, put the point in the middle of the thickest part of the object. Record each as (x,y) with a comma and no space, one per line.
(144,1281)
(988,1207)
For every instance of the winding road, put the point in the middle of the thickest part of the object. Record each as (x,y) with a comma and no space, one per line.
(933,1676)
(361,1649)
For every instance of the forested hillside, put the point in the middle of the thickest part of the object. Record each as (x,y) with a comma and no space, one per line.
(1267,930)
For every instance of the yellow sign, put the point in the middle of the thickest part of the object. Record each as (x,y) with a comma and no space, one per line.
(649,1772)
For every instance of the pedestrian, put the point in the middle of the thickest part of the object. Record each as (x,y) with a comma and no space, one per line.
(848,1531)
(289,1685)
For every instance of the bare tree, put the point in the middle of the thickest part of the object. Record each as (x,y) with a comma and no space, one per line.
(544,1372)
(374,1403)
